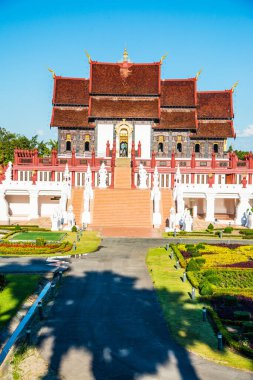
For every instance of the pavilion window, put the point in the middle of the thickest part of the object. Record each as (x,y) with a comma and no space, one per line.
(179,147)
(68,145)
(160,147)
(86,146)
(197,148)
(216,148)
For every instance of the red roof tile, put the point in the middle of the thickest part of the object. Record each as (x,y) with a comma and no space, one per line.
(221,129)
(125,78)
(71,91)
(104,107)
(178,93)
(69,117)
(172,119)
(215,105)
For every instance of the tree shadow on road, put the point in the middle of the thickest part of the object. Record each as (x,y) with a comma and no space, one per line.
(120,328)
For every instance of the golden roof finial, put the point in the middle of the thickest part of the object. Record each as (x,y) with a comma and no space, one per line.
(53,73)
(163,58)
(125,55)
(198,73)
(88,56)
(234,86)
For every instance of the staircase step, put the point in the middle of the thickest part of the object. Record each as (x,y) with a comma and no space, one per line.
(77,203)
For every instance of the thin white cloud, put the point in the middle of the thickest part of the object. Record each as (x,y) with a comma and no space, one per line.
(247,132)
(39,132)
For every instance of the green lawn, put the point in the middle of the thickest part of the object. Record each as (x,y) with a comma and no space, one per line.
(33,235)
(89,242)
(18,288)
(184,316)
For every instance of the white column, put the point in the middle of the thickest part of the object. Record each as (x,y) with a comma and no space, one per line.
(210,198)
(34,204)
(4,207)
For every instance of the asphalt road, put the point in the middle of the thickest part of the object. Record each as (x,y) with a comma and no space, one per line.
(107,324)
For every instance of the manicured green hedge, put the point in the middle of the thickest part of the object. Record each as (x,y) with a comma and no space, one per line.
(192,279)
(179,255)
(226,335)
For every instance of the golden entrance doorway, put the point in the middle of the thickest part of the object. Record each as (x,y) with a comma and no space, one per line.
(123,143)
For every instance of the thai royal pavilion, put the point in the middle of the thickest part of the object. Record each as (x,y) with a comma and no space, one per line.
(125,138)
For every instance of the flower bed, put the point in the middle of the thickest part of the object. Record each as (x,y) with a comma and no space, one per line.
(33,249)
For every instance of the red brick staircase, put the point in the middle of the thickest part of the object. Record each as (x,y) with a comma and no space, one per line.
(122,206)
(77,203)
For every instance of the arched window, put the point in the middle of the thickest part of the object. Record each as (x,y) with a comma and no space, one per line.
(160,147)
(215,148)
(68,145)
(197,148)
(86,146)
(179,147)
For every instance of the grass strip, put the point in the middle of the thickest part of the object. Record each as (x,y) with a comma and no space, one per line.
(184,316)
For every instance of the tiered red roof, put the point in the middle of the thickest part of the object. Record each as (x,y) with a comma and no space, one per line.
(130,90)
(69,117)
(178,93)
(215,105)
(172,119)
(125,78)
(71,91)
(104,107)
(217,129)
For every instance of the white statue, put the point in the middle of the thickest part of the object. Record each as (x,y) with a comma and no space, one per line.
(178,194)
(187,224)
(250,220)
(156,197)
(8,173)
(143,177)
(102,176)
(55,220)
(67,182)
(172,219)
(88,195)
(71,218)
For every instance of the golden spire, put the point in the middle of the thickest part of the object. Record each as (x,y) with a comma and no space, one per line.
(234,86)
(198,73)
(163,58)
(125,56)
(88,56)
(53,73)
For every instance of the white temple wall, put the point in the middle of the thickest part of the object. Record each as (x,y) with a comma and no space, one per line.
(18,204)
(47,205)
(104,134)
(143,134)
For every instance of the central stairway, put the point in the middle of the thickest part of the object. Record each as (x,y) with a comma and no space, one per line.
(77,203)
(122,206)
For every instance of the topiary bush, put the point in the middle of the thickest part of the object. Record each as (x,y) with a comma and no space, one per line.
(228,230)
(17,227)
(205,288)
(192,266)
(213,279)
(200,261)
(210,227)
(74,229)
(40,242)
(200,246)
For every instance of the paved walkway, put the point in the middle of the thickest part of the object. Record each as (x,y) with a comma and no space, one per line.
(107,324)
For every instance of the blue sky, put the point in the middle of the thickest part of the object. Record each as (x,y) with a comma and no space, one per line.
(34,35)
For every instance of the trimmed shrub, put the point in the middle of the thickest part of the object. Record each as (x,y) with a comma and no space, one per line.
(213,279)
(226,335)
(192,266)
(206,289)
(192,279)
(179,255)
(210,227)
(195,253)
(200,246)
(242,315)
(228,230)
(74,229)
(200,261)
(248,231)
(17,227)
